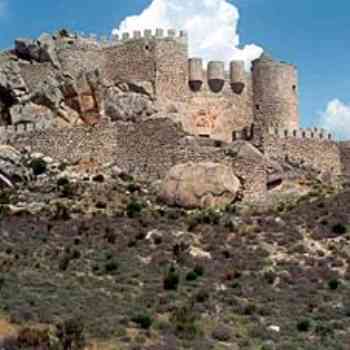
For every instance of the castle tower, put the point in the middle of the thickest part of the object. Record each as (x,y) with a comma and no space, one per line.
(237,76)
(275,88)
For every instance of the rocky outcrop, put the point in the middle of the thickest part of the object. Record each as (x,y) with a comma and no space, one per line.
(128,106)
(12,169)
(41,50)
(30,113)
(12,84)
(200,185)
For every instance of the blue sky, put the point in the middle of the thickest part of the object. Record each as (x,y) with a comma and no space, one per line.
(311,34)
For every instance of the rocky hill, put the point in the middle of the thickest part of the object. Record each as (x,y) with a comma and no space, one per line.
(99,260)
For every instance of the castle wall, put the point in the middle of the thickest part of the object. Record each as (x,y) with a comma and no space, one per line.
(147,150)
(78,60)
(171,68)
(307,148)
(132,59)
(275,87)
(217,113)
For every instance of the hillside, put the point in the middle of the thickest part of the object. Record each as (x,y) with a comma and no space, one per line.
(97,258)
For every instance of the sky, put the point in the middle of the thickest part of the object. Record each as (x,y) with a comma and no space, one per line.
(311,34)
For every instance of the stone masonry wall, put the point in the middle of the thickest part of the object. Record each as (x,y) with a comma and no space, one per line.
(131,60)
(217,114)
(80,60)
(276,98)
(147,150)
(320,153)
(171,69)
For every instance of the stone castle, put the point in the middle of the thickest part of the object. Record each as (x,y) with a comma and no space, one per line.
(57,76)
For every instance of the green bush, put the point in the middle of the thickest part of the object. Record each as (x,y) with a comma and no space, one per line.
(199,270)
(191,276)
(171,280)
(144,320)
(339,229)
(185,321)
(333,284)
(39,166)
(134,208)
(304,325)
(71,334)
(111,266)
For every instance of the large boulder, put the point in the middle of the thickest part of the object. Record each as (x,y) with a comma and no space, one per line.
(200,185)
(128,106)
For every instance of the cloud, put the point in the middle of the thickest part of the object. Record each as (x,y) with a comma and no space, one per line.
(212,26)
(336,118)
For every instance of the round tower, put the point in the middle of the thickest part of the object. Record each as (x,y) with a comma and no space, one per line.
(195,73)
(237,77)
(275,87)
(216,75)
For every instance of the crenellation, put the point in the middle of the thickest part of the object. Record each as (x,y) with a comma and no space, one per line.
(148,33)
(137,34)
(159,33)
(125,36)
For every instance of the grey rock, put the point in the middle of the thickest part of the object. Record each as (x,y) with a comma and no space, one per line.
(30,112)
(11,166)
(222,333)
(48,50)
(41,50)
(127,106)
(49,94)
(11,82)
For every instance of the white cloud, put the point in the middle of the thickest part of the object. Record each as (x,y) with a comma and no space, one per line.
(212,26)
(336,118)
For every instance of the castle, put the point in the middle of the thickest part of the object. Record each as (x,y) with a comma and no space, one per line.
(215,101)
(219,102)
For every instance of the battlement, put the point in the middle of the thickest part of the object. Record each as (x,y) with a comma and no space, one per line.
(150,34)
(25,128)
(93,41)
(314,133)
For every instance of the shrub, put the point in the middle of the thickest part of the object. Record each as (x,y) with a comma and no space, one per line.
(333,284)
(202,296)
(171,280)
(134,208)
(98,178)
(339,229)
(64,262)
(144,320)
(62,181)
(304,325)
(111,266)
(39,166)
(185,322)
(191,276)
(71,334)
(199,270)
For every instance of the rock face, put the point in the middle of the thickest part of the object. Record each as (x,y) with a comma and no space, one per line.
(30,113)
(11,166)
(200,185)
(127,106)
(41,50)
